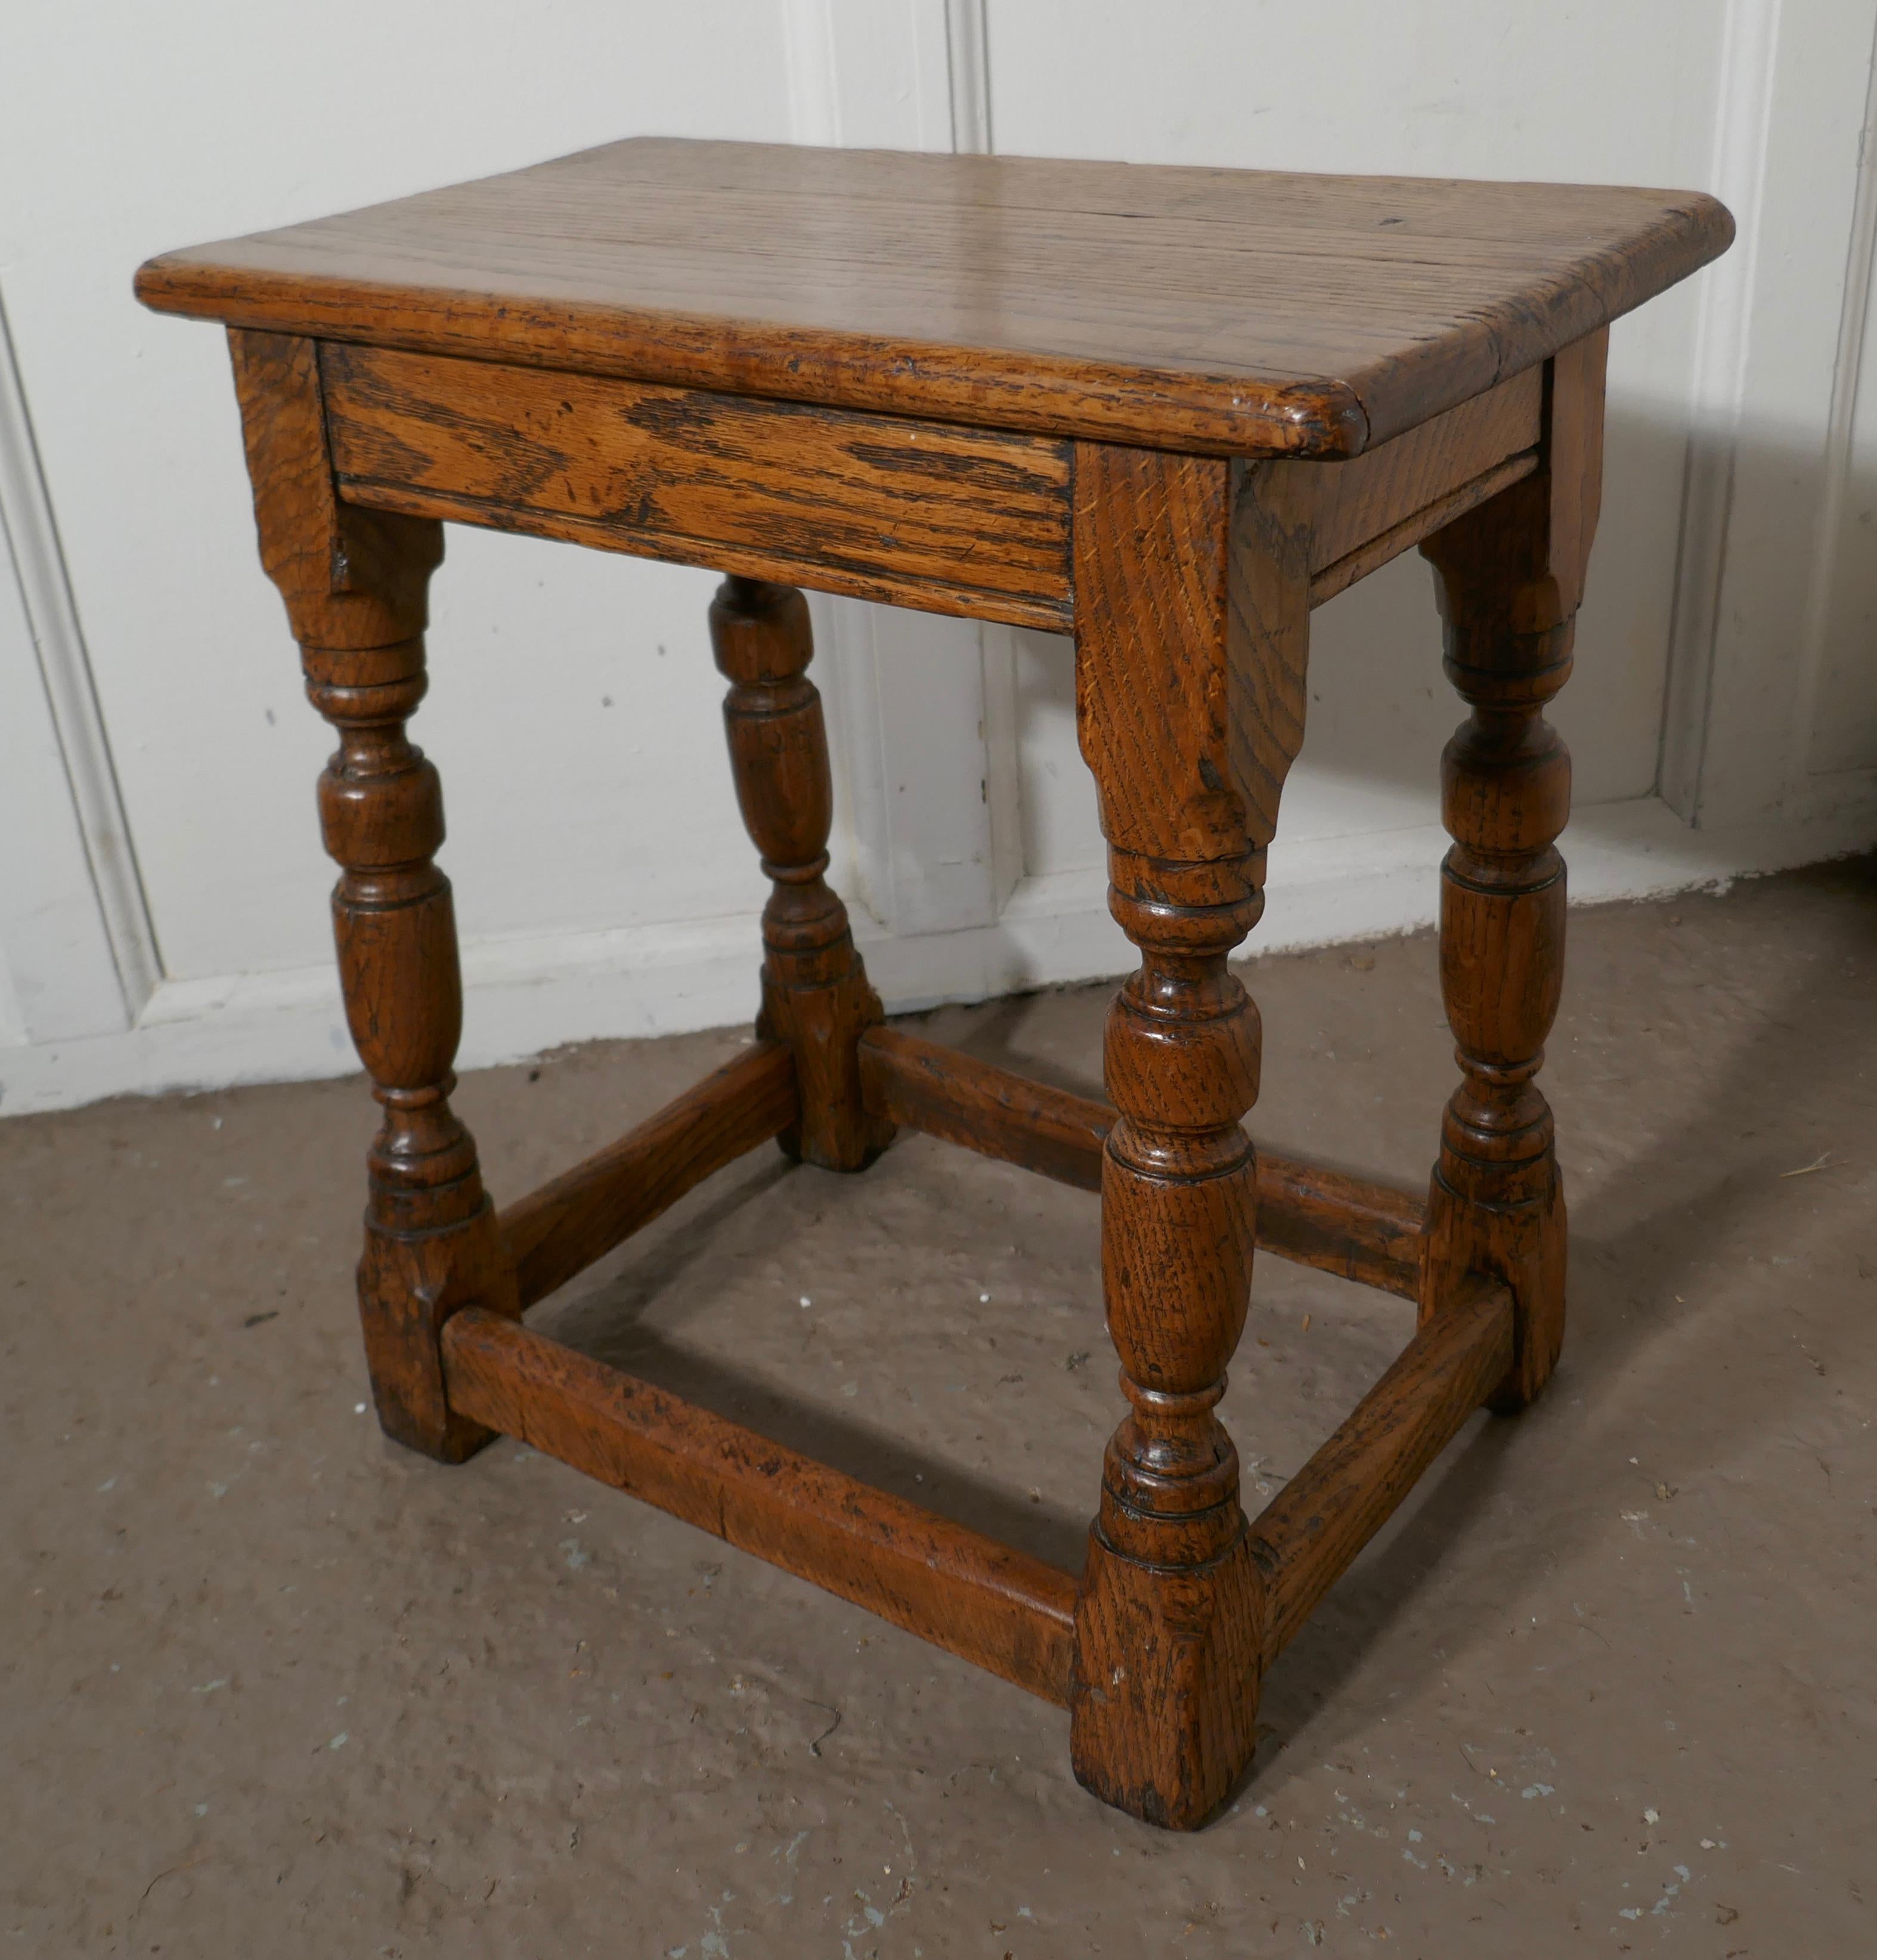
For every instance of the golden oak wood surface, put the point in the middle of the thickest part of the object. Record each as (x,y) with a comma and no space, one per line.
(925,513)
(1001,1608)
(1307,1536)
(1234,312)
(1365,511)
(560,1229)
(926,1087)
(1193,583)
(1510,575)
(1408,530)
(1353,502)
(815,996)
(1306,1212)
(1349,1226)
(355,585)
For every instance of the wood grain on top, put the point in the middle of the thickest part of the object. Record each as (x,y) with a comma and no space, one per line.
(1229,312)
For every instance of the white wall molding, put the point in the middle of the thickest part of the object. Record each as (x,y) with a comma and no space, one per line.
(912,752)
(968,41)
(1847,376)
(1743,122)
(57,976)
(65,668)
(1796,386)
(813,95)
(523,997)
(911,697)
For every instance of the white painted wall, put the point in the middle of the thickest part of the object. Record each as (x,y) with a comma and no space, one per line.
(162,913)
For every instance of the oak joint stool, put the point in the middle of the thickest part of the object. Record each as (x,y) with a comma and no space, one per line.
(1166,410)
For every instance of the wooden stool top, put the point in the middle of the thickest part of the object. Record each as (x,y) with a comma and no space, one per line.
(1221,311)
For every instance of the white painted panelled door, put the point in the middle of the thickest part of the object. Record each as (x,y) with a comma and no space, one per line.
(156,759)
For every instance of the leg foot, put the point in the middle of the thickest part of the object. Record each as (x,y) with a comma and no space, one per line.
(1170,1723)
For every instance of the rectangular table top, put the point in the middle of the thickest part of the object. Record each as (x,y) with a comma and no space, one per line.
(1226,312)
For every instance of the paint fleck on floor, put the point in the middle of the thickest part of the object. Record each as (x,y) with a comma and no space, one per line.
(270,1686)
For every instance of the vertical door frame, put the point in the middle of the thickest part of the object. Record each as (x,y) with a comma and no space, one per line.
(1759,544)
(79,965)
(933,830)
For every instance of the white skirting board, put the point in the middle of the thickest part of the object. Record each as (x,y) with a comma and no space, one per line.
(524,996)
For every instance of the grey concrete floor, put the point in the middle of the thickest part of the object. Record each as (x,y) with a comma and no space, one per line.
(270,1686)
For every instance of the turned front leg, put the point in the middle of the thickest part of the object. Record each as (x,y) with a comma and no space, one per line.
(1167,1628)
(1510,576)
(1192,597)
(431,1241)
(815,991)
(354,585)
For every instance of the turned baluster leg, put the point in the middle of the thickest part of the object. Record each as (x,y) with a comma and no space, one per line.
(1192,598)
(815,993)
(1510,575)
(354,584)
(1167,1626)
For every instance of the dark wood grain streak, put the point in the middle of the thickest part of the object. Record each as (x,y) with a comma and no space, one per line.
(1233,313)
(559,1230)
(997,1607)
(922,513)
(1312,1215)
(1307,1536)
(815,575)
